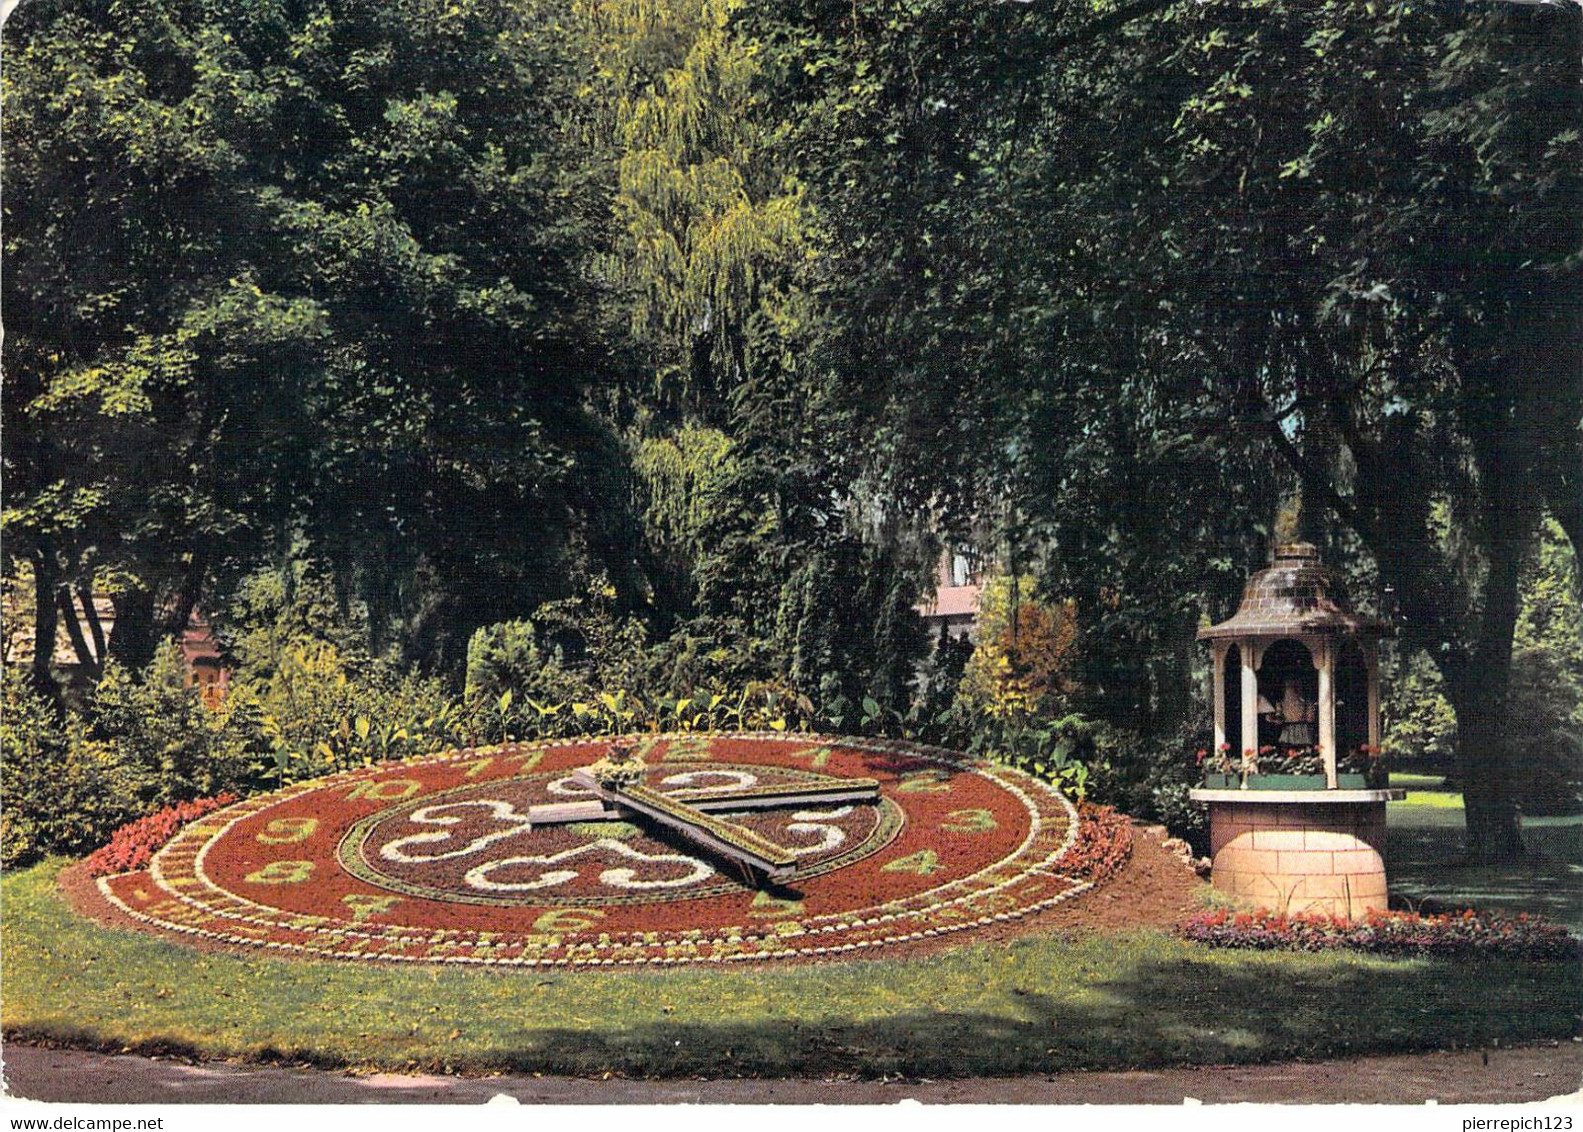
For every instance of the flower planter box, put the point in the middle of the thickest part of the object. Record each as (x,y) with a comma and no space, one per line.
(1282,782)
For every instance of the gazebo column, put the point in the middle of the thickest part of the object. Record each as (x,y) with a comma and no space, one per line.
(1250,696)
(1325,661)
(1218,684)
(1371,660)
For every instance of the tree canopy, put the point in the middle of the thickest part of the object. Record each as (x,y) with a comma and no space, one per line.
(736,312)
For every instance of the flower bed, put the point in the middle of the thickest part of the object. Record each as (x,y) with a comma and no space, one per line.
(1465,935)
(132,845)
(1103,846)
(1291,768)
(436,859)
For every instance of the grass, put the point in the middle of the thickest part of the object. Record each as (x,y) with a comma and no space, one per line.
(1033,1005)
(1425,791)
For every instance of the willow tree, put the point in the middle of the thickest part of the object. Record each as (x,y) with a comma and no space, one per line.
(712,227)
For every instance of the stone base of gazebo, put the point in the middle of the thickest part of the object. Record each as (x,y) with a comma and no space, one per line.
(1313,851)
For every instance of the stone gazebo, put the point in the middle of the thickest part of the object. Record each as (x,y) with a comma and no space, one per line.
(1295,791)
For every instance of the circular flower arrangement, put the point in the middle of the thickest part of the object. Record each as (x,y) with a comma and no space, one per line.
(505,856)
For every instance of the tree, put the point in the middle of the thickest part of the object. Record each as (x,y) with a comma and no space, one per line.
(283,272)
(1173,242)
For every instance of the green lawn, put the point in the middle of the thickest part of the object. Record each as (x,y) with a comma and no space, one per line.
(1037,1004)
(1425,790)
(1424,860)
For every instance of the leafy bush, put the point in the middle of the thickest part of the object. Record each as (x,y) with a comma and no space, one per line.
(318,714)
(1546,731)
(133,844)
(1468,935)
(62,791)
(1022,667)
(183,748)
(1150,779)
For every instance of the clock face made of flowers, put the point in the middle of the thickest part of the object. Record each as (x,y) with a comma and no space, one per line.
(709,847)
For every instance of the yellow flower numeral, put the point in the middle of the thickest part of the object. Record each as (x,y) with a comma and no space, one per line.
(969,821)
(283,831)
(390,790)
(364,905)
(282,872)
(925,782)
(567,920)
(924,863)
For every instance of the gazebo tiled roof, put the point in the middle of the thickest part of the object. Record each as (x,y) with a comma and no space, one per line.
(1296,594)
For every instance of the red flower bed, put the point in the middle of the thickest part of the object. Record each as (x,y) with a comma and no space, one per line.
(1468,935)
(1104,843)
(430,859)
(134,843)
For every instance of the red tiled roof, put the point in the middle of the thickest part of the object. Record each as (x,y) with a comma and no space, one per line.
(952,601)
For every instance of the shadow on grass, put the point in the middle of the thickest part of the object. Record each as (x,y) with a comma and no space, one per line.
(1428,866)
(1033,1005)
(1171,1012)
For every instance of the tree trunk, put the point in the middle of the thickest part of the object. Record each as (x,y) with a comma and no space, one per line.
(79,643)
(1483,763)
(46,577)
(90,614)
(1480,696)
(132,643)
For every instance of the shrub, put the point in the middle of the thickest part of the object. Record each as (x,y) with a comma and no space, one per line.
(1452,936)
(1150,779)
(132,845)
(1026,650)
(183,748)
(503,657)
(319,714)
(62,791)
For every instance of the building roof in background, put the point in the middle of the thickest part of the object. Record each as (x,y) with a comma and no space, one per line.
(952,601)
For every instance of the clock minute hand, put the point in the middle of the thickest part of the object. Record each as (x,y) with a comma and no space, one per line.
(763,796)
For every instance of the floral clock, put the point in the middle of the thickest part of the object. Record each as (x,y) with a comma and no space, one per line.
(515,856)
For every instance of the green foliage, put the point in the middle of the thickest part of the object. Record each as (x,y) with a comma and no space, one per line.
(1545,717)
(1416,721)
(318,714)
(181,747)
(503,658)
(1547,731)
(1026,655)
(62,791)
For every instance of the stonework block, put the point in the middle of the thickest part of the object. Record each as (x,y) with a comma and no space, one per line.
(1322,859)
(1359,862)
(1304,863)
(1287,840)
(1331,839)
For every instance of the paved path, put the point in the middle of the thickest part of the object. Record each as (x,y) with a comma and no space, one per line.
(1498,1076)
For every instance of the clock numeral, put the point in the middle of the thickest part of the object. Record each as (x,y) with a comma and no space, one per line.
(925,782)
(773,906)
(969,821)
(390,790)
(817,757)
(364,905)
(688,749)
(478,767)
(283,831)
(567,920)
(282,872)
(528,761)
(924,864)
